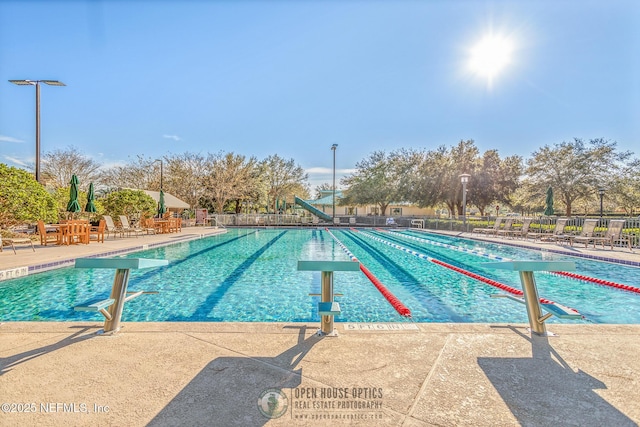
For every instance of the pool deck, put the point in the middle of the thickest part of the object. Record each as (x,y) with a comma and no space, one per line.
(215,374)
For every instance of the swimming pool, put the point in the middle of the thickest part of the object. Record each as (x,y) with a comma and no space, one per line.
(249,275)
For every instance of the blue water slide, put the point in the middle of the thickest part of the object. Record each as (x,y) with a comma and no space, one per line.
(312,209)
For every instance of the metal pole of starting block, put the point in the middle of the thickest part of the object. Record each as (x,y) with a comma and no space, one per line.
(326,295)
(529,289)
(118,293)
(532,301)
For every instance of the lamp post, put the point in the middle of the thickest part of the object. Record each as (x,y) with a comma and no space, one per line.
(464,178)
(333,148)
(160,160)
(601,193)
(36,83)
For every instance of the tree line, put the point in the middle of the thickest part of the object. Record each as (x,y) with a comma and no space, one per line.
(229,182)
(575,170)
(220,181)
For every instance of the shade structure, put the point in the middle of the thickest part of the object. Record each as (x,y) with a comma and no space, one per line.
(73,205)
(548,210)
(90,207)
(161,206)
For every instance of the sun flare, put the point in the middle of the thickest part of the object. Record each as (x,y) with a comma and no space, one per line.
(490,56)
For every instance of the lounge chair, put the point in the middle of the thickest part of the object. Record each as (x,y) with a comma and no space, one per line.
(557,231)
(111,227)
(13,241)
(613,235)
(48,236)
(586,235)
(508,227)
(127,228)
(483,230)
(522,231)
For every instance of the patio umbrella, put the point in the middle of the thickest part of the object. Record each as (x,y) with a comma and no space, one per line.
(161,207)
(548,211)
(90,207)
(73,205)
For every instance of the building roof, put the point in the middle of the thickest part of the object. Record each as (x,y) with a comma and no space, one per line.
(170,201)
(326,199)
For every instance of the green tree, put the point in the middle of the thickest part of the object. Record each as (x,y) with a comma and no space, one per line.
(624,188)
(437,176)
(61,195)
(495,180)
(282,178)
(22,199)
(128,202)
(373,183)
(574,170)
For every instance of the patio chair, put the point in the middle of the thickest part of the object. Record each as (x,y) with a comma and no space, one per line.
(127,228)
(522,231)
(558,230)
(97,233)
(13,241)
(110,227)
(48,236)
(77,232)
(482,230)
(586,235)
(613,235)
(508,227)
(149,225)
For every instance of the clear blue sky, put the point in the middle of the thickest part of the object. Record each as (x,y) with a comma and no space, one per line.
(294,77)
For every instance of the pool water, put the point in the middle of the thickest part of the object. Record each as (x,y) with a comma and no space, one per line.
(250,275)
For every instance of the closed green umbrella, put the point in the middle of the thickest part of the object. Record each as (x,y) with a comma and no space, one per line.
(548,211)
(73,205)
(90,198)
(161,207)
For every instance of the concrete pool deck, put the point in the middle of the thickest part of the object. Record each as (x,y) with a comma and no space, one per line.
(217,374)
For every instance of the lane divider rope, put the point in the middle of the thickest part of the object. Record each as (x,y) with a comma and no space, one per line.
(560,273)
(478,277)
(393,300)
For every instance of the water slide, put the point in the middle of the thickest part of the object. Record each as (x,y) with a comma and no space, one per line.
(313,210)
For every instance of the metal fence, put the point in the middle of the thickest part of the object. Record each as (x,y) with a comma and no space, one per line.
(539,224)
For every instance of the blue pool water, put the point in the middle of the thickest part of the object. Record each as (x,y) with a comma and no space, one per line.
(250,275)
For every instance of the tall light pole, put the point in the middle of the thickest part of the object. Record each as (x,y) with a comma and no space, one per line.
(464,178)
(601,193)
(155,161)
(36,83)
(333,148)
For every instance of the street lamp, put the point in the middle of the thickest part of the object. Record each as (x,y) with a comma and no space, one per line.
(36,83)
(333,148)
(160,160)
(601,193)
(464,178)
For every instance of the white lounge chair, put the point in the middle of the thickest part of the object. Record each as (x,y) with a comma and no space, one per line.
(111,227)
(127,228)
(13,241)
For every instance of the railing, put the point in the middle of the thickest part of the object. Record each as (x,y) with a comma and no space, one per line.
(539,224)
